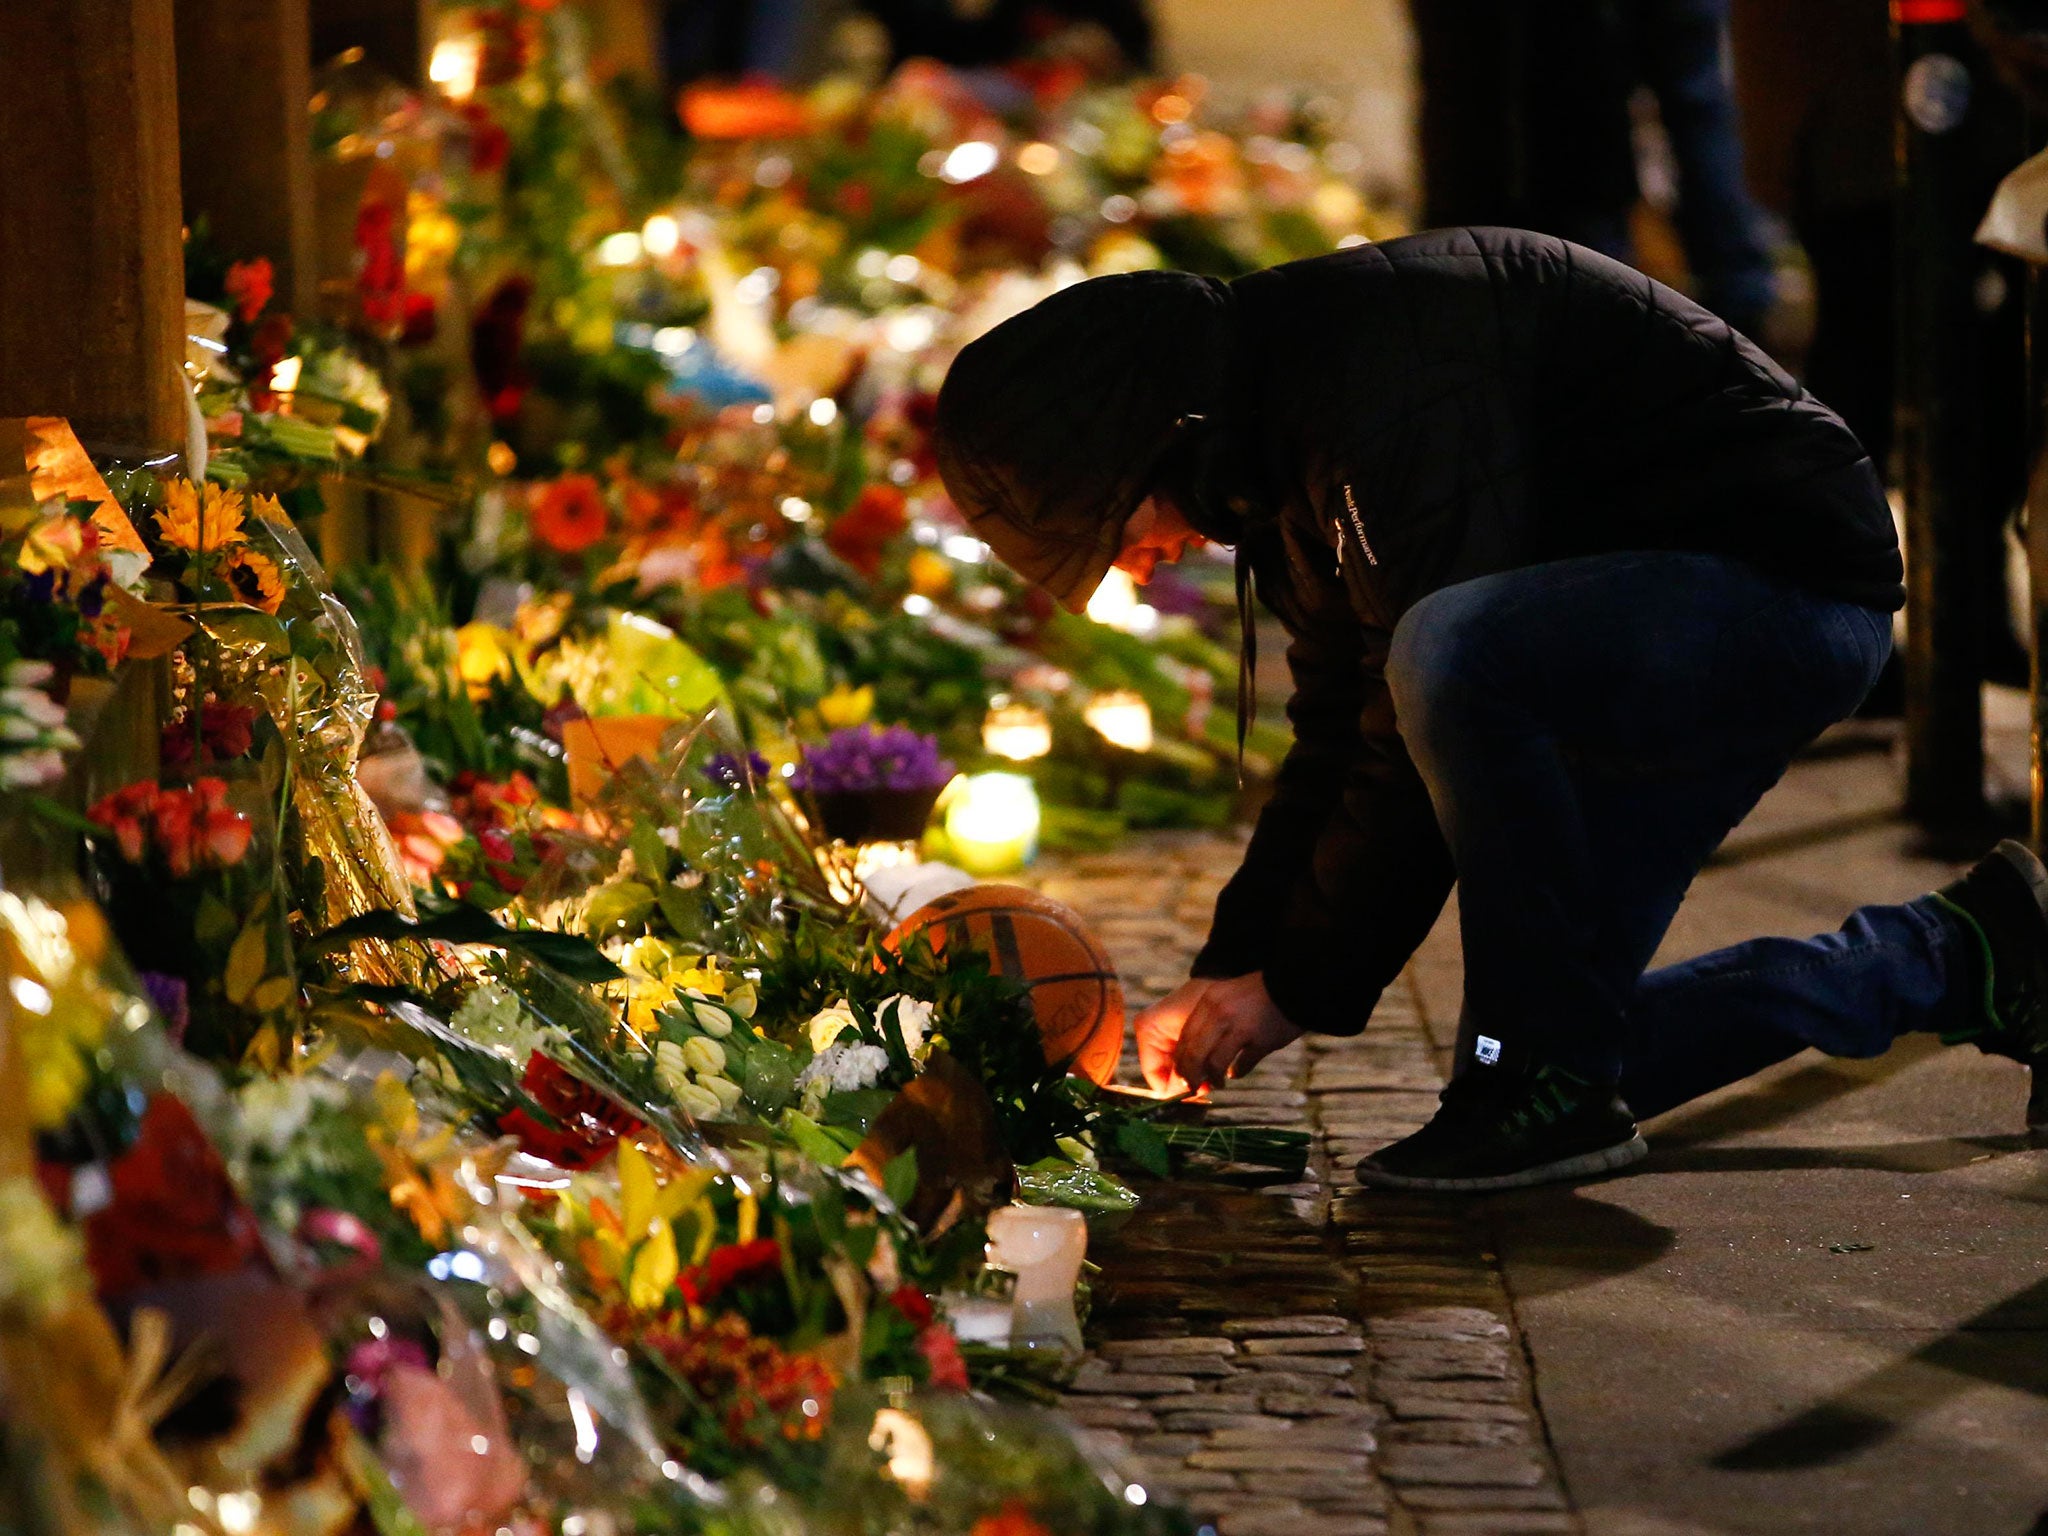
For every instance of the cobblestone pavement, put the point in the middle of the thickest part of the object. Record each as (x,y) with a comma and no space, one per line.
(1305,1357)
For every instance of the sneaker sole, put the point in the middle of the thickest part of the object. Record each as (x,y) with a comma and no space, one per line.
(1585,1166)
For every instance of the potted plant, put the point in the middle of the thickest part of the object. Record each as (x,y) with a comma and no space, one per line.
(873,785)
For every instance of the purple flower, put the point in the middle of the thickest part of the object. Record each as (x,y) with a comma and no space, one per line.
(171,998)
(864,758)
(726,769)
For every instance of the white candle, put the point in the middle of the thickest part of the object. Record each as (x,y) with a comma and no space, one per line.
(1043,1246)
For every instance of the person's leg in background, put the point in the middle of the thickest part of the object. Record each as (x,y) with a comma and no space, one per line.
(1681,53)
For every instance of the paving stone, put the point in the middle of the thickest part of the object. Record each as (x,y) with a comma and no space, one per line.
(1499,1523)
(1419,1392)
(1460,1466)
(1301,1365)
(1206,1402)
(1330,1344)
(1482,1499)
(1090,1416)
(1198,1344)
(1335,1434)
(1280,1520)
(1289,1327)
(1447,1431)
(1201,1366)
(1207,1423)
(1183,1480)
(1406,1405)
(1130,1384)
(1309,1386)
(1439,1323)
(1334,1398)
(1277,1458)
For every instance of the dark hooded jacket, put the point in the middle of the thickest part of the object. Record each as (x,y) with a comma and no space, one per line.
(1366,428)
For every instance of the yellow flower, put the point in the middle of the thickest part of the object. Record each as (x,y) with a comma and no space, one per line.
(53,544)
(845,706)
(270,510)
(482,657)
(191,512)
(255,580)
(700,975)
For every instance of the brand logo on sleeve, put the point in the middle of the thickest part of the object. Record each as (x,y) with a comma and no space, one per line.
(1488,1050)
(1358,525)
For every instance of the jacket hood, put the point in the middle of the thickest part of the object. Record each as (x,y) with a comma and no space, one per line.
(1051,428)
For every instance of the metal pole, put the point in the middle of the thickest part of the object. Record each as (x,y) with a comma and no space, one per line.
(1939,423)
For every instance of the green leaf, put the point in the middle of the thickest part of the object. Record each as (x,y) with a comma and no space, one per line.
(816,1142)
(459,923)
(1056,1181)
(214,924)
(899,1177)
(649,853)
(1140,1141)
(618,904)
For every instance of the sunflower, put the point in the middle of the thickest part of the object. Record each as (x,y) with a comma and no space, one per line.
(190,512)
(254,579)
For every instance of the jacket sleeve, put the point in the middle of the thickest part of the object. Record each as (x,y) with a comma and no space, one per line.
(1347,870)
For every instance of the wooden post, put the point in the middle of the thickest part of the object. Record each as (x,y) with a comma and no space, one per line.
(91,274)
(244,79)
(395,35)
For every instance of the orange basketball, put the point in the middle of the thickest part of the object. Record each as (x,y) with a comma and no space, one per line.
(1034,940)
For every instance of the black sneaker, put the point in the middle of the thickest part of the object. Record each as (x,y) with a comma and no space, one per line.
(2001,906)
(1496,1129)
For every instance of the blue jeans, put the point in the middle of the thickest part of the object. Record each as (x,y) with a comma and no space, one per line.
(1589,731)
(1681,53)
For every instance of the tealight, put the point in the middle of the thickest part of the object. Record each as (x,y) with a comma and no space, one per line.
(1121,718)
(992,823)
(1019,732)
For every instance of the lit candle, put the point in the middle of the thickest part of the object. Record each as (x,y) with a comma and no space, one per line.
(992,823)
(1019,732)
(1115,603)
(1043,1246)
(1123,719)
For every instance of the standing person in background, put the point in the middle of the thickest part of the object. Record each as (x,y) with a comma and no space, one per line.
(1526,120)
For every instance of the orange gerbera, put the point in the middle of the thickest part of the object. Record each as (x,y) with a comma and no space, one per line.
(254,579)
(569,514)
(191,513)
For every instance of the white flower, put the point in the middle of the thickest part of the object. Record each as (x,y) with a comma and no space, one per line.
(704,1056)
(697,1102)
(711,1019)
(826,1024)
(724,1089)
(276,1109)
(914,1020)
(859,1066)
(42,1261)
(670,1067)
(28,674)
(843,1069)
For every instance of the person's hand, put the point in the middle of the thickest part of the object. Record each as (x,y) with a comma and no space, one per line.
(1159,1028)
(1209,1031)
